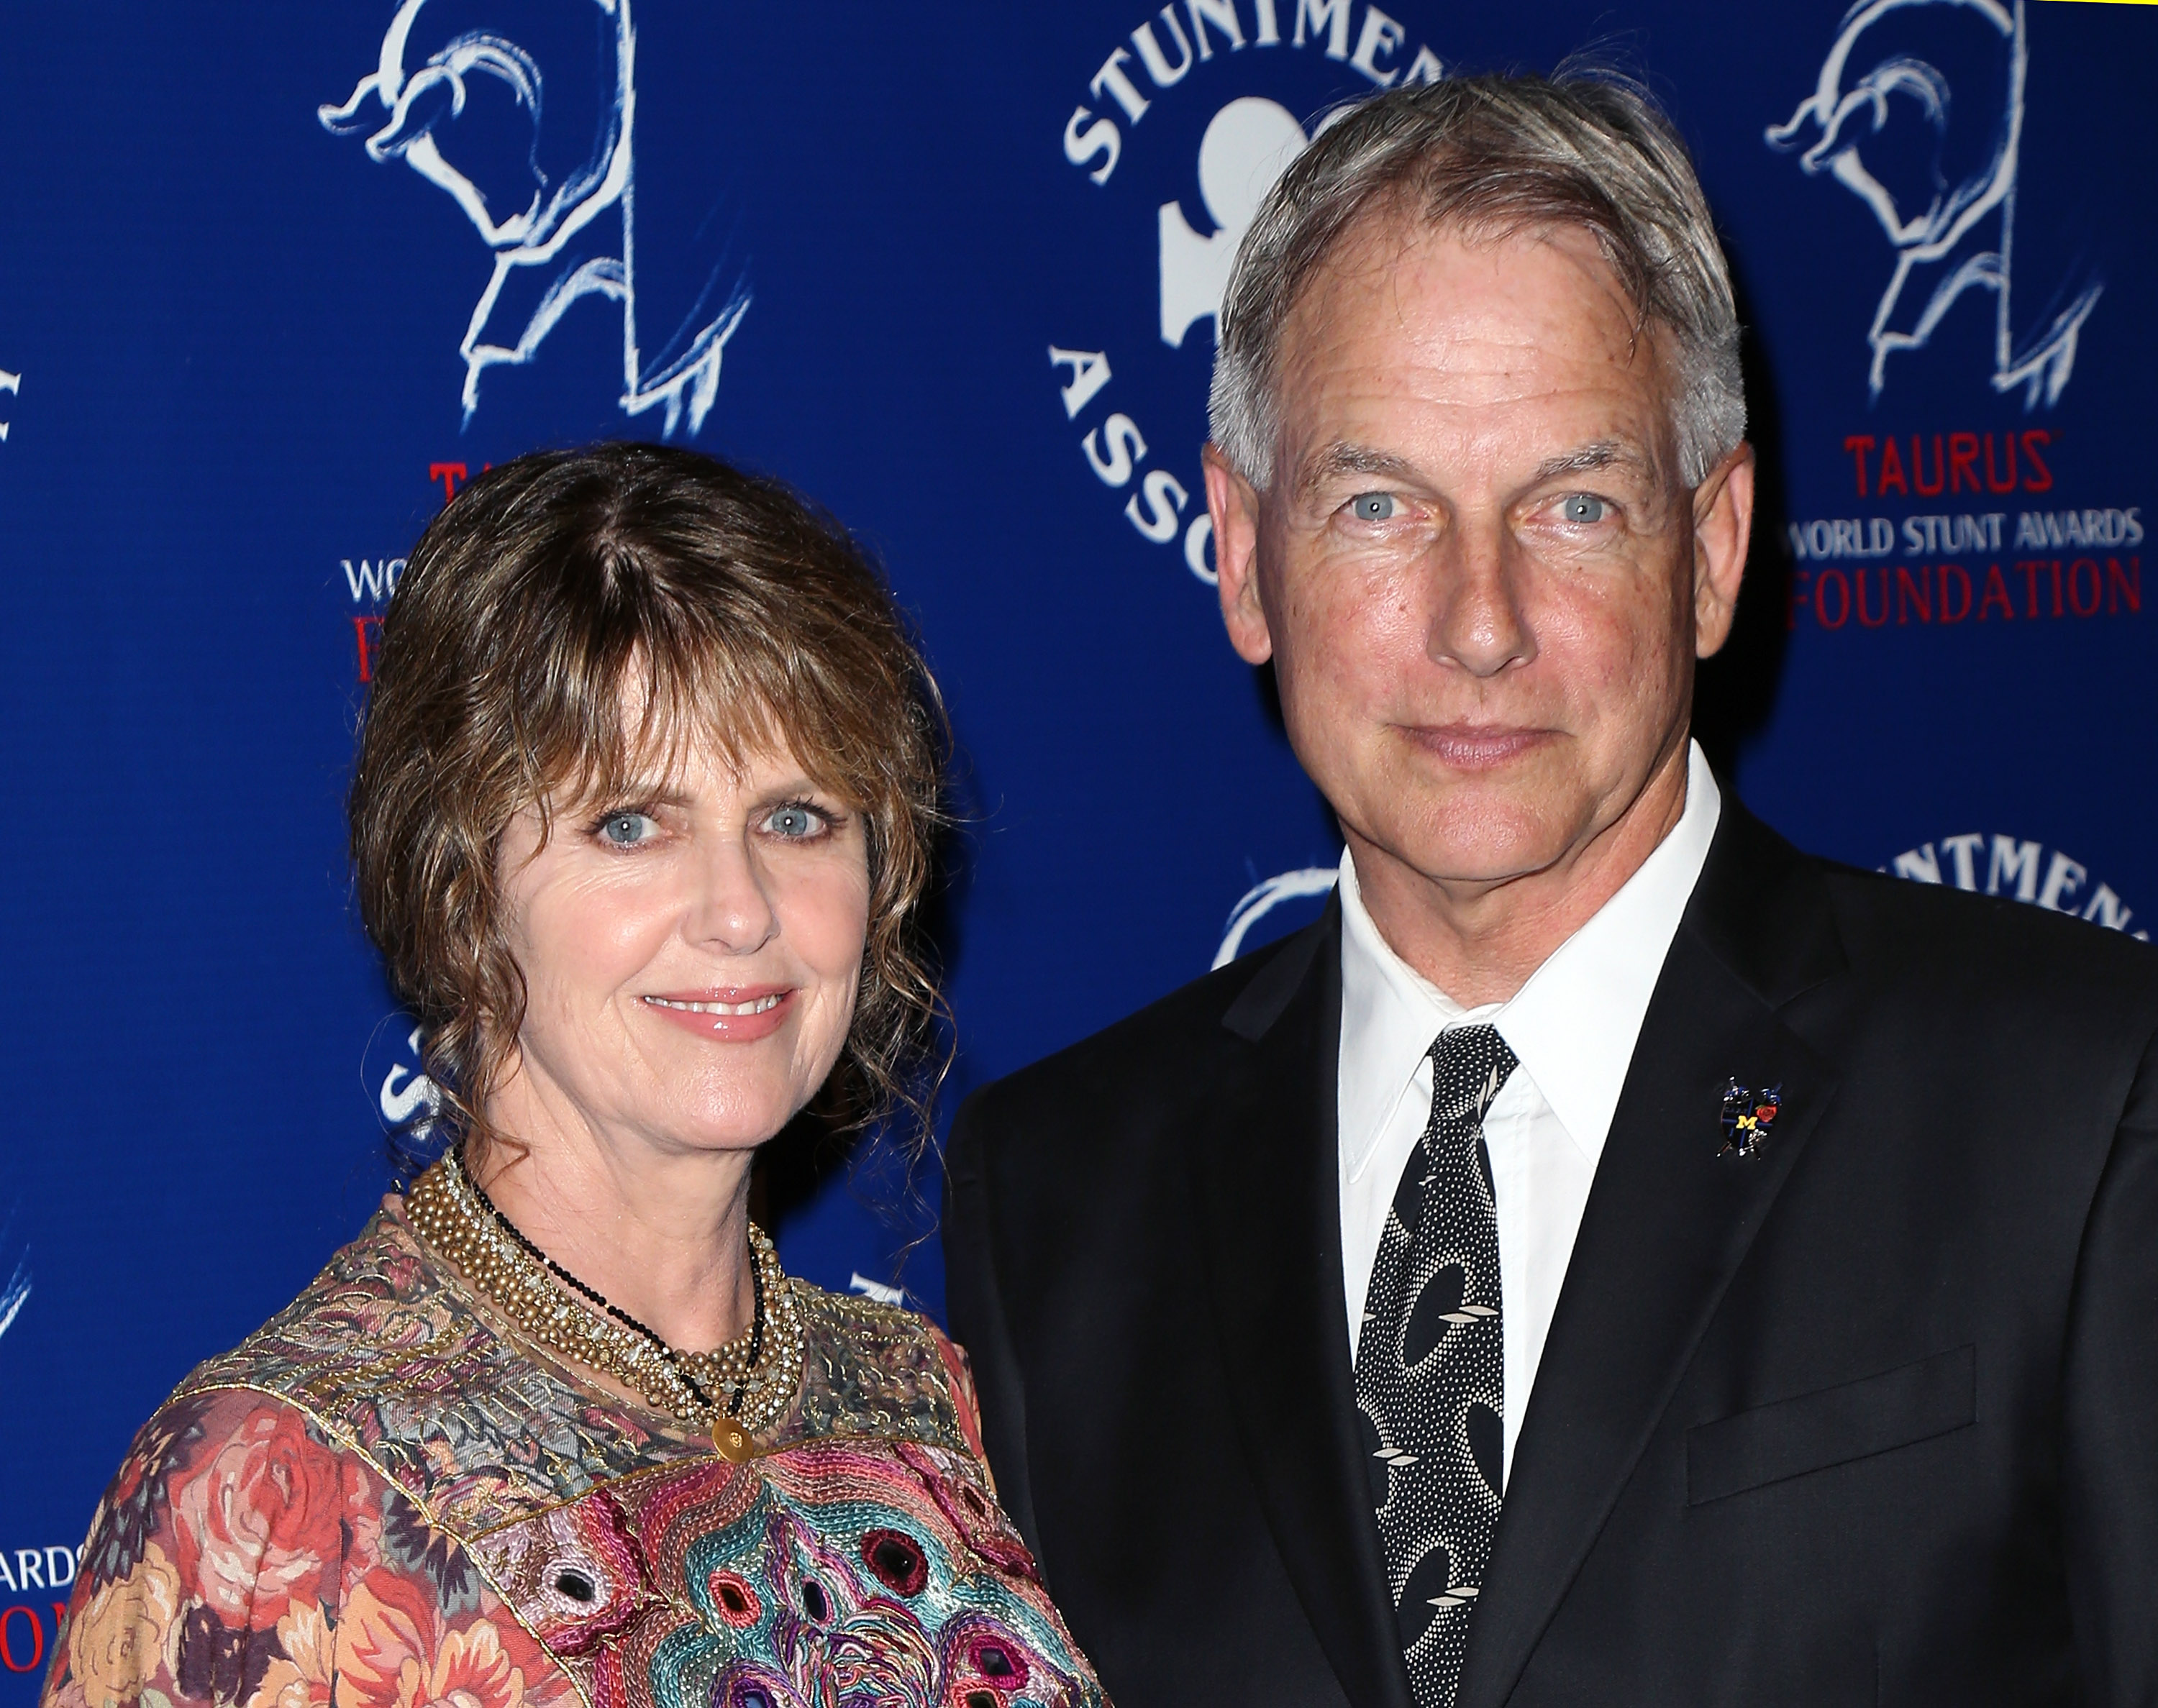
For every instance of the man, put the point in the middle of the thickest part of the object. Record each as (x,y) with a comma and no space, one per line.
(1611,1257)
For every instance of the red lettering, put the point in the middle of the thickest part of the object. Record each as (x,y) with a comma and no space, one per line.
(1963,583)
(1919,466)
(1996,593)
(7,1640)
(1842,598)
(1801,581)
(1963,461)
(2118,587)
(449,473)
(2056,586)
(2076,587)
(2030,567)
(367,632)
(1858,444)
(2041,477)
(1920,593)
(1994,482)
(1864,621)
(1892,470)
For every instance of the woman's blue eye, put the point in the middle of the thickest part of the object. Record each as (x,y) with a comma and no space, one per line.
(1372,507)
(1584,508)
(626,830)
(794,822)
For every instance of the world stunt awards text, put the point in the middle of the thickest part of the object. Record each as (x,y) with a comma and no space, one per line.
(1965,561)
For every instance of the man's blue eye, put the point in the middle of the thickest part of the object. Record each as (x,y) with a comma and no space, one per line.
(1584,508)
(1372,507)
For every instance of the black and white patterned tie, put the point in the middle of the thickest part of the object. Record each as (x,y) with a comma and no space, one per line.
(1431,1369)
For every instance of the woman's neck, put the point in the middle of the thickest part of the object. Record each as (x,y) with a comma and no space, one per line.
(660,1233)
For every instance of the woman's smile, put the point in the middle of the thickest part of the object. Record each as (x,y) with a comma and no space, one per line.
(727,1016)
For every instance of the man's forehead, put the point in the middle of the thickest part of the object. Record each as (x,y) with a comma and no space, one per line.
(1437,330)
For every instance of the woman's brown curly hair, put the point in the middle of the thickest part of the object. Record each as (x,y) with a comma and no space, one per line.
(555,594)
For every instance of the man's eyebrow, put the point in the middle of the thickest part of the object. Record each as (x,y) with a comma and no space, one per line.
(1339,459)
(1600,453)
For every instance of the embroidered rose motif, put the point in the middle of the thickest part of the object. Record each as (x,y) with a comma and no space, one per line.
(260,1525)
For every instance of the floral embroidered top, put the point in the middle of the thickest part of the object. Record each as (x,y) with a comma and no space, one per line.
(386,1498)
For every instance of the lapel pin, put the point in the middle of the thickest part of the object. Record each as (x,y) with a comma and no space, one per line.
(1747,1118)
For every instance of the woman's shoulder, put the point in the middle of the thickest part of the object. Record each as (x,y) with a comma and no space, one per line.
(377,1291)
(388,1355)
(870,1368)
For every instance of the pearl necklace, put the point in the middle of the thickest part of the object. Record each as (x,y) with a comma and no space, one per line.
(738,1390)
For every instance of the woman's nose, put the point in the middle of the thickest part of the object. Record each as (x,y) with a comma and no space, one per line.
(732,909)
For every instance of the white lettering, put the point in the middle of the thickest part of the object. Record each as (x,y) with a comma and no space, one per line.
(1334,15)
(2018,862)
(1269,35)
(1964,851)
(1222,14)
(59,1567)
(1165,498)
(30,1567)
(2057,528)
(1102,137)
(1120,86)
(1199,550)
(1920,864)
(1381,35)
(1128,446)
(2061,876)
(1157,63)
(2105,909)
(6,1577)
(1090,373)
(1425,68)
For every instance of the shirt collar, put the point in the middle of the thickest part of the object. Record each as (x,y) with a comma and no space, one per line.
(1573,1025)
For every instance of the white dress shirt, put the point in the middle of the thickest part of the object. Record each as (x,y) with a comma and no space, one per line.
(1573,1027)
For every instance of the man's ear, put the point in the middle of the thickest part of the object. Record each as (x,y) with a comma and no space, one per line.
(1234,505)
(1722,526)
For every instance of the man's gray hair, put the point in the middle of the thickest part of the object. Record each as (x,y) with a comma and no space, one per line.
(1496,156)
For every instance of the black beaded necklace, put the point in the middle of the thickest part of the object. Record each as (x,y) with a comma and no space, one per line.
(658,1345)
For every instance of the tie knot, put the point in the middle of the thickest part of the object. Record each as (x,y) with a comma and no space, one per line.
(1468,1065)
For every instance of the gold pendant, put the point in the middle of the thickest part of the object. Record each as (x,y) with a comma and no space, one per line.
(733,1441)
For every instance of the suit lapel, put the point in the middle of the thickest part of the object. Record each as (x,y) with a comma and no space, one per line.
(1265,1178)
(1667,1224)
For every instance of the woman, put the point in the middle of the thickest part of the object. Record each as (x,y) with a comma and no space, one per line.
(641,820)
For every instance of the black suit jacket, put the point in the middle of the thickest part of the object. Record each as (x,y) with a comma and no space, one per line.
(1871,1417)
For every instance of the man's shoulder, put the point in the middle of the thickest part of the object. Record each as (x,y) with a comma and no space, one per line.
(1899,929)
(1170,1042)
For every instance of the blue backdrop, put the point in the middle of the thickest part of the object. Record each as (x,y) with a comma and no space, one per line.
(274,282)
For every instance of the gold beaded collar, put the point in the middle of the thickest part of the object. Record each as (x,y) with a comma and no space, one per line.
(738,1390)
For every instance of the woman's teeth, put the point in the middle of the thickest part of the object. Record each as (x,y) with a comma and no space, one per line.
(756,1005)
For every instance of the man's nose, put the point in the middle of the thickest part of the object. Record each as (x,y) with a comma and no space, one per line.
(730,908)
(1477,621)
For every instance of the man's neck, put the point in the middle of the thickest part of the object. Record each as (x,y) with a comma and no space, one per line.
(1480,942)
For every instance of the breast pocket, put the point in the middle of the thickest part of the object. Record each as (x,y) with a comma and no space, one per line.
(1812,1431)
